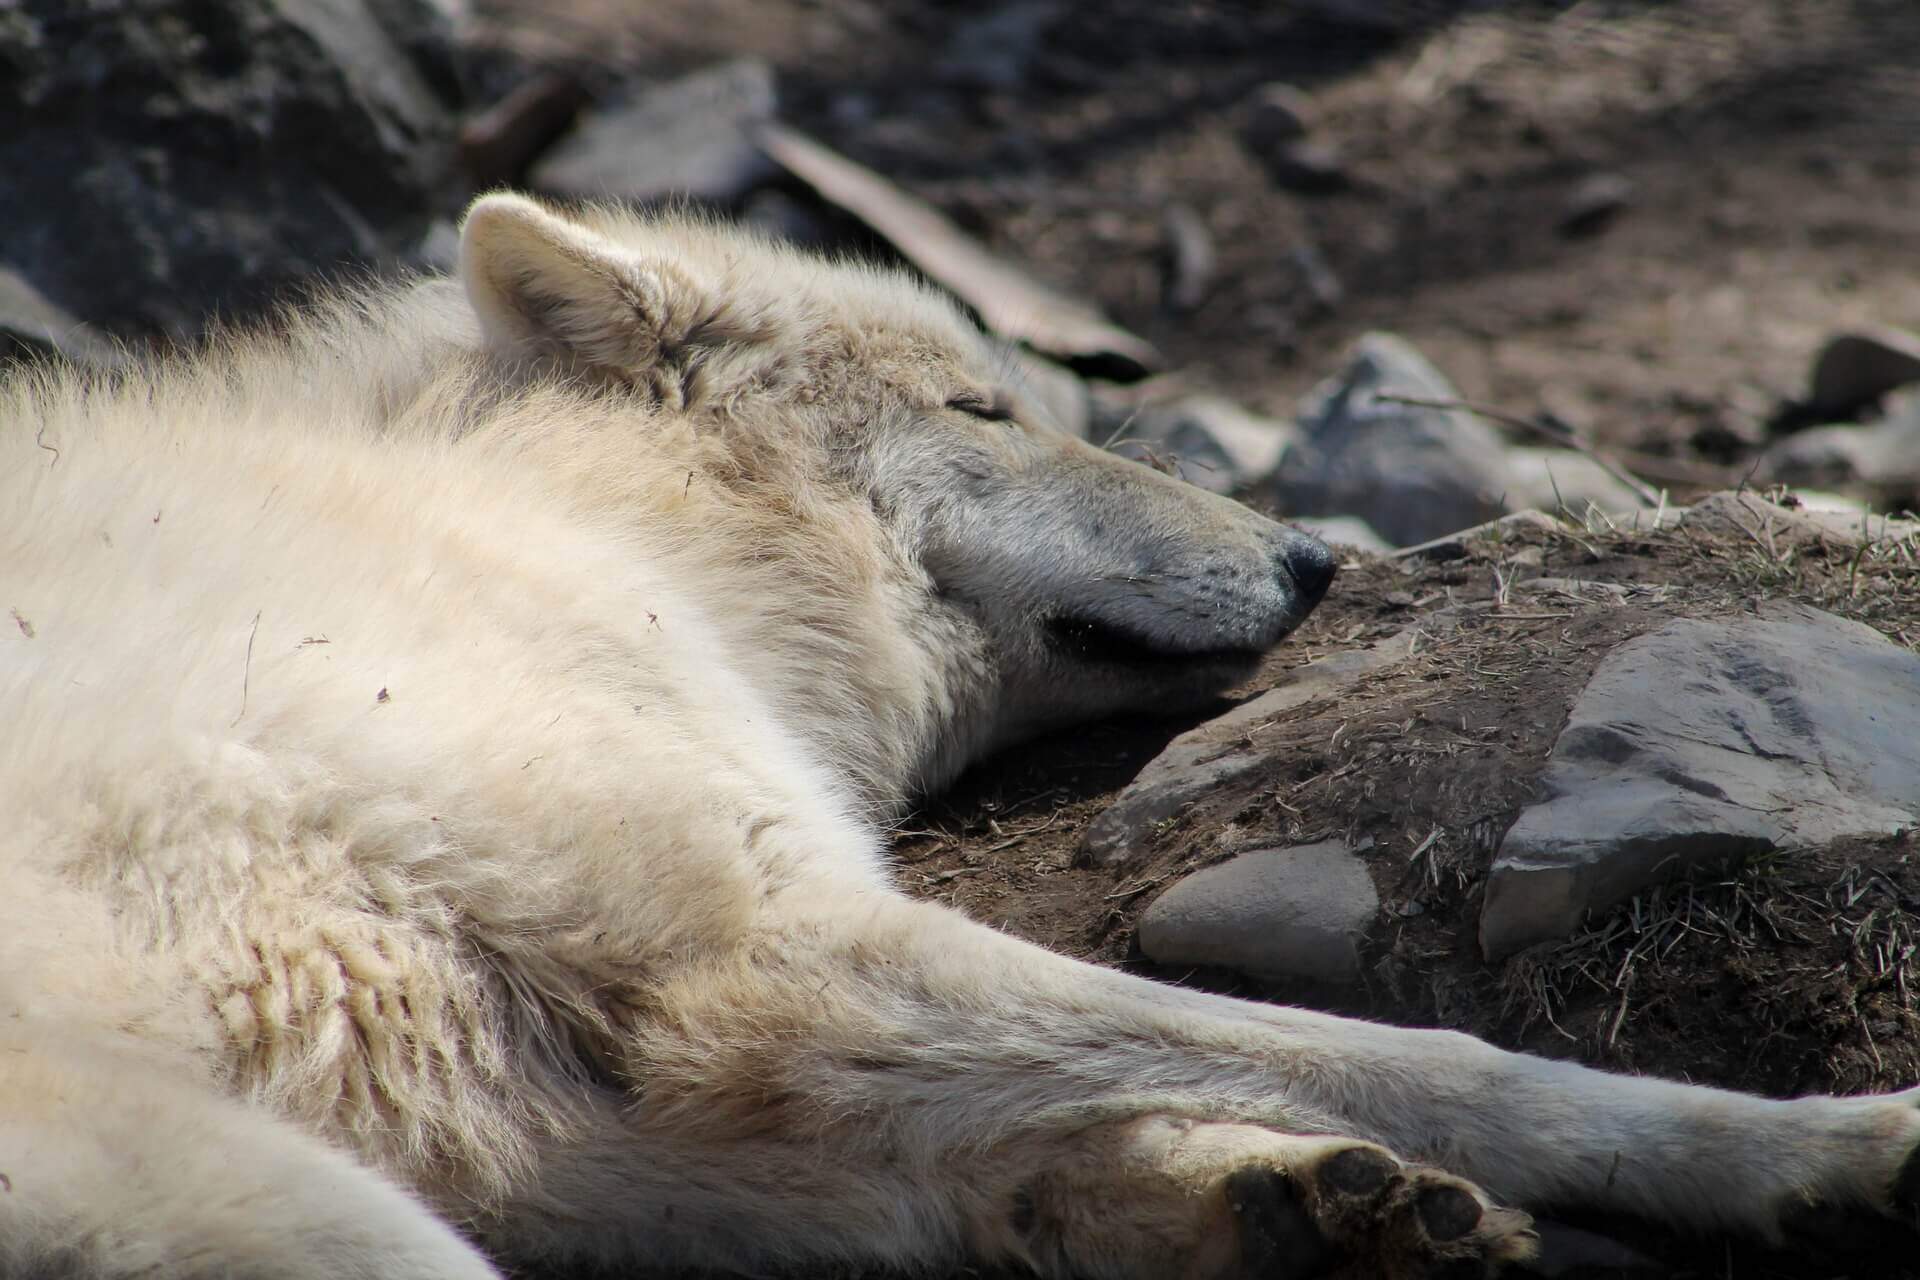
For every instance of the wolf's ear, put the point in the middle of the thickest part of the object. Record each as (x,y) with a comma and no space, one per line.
(543,285)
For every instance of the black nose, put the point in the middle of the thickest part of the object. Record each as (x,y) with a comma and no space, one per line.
(1311,566)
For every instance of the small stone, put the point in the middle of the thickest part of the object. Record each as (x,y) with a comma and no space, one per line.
(1215,754)
(1293,913)
(1594,203)
(1854,370)
(1278,114)
(1308,167)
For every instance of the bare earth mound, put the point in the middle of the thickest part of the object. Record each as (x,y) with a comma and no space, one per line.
(1788,975)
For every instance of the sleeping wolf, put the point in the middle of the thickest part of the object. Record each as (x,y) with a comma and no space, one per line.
(444,758)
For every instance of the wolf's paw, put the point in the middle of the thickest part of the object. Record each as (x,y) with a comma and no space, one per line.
(1352,1209)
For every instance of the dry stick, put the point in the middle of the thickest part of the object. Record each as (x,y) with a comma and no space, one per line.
(1561,435)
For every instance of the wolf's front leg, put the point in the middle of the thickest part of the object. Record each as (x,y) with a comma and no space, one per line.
(878,1080)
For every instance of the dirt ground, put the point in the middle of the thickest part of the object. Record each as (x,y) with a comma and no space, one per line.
(1769,147)
(1792,976)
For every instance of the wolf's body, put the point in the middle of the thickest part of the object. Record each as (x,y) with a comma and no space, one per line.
(444,751)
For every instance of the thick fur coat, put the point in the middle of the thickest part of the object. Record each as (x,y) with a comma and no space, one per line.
(444,750)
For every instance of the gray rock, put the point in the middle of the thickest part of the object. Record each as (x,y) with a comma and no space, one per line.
(1879,461)
(995,49)
(439,249)
(1277,113)
(31,326)
(1553,478)
(1309,166)
(1855,370)
(161,165)
(1278,131)
(1345,531)
(1412,472)
(1208,440)
(1594,203)
(1298,912)
(1703,741)
(1217,753)
(686,137)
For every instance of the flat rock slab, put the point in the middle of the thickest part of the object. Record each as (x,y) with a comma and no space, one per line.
(1217,753)
(1707,740)
(1297,912)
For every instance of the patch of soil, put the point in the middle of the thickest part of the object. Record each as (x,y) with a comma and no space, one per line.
(1790,976)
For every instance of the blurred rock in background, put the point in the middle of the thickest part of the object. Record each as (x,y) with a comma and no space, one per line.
(169,162)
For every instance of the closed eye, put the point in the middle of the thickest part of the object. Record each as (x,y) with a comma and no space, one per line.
(995,407)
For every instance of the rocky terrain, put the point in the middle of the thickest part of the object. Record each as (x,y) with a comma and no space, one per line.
(1587,331)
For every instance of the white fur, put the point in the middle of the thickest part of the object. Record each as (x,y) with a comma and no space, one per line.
(445,748)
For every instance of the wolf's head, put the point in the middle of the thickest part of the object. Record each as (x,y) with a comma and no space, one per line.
(1046,580)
